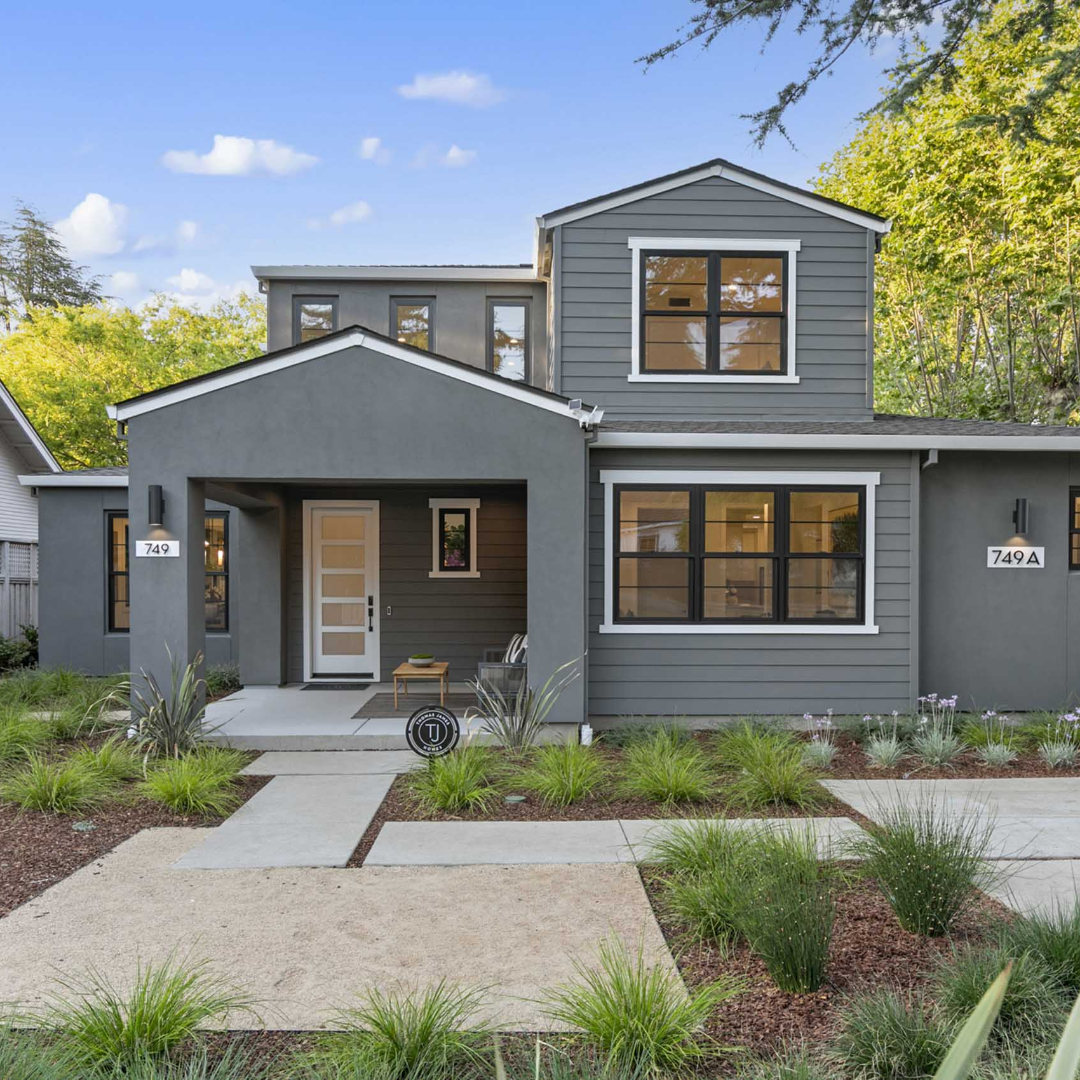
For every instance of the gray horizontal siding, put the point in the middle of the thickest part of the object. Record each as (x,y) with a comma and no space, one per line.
(455,620)
(593,283)
(732,674)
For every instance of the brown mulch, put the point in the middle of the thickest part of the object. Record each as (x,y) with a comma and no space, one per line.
(38,849)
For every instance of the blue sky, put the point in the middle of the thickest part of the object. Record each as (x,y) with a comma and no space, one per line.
(509,110)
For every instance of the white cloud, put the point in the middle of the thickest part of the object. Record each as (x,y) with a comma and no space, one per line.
(234,155)
(191,281)
(187,232)
(456,158)
(345,215)
(124,281)
(94,227)
(459,87)
(194,289)
(372,149)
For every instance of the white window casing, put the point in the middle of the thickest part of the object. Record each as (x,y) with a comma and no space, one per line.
(712,477)
(637,244)
(470,505)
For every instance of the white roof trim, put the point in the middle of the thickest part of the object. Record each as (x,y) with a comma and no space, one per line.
(74,480)
(396,273)
(351,339)
(28,429)
(727,172)
(715,441)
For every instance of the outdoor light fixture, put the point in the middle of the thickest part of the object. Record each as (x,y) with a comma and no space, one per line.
(156,517)
(1020,517)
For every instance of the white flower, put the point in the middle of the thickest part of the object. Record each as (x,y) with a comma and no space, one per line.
(131,732)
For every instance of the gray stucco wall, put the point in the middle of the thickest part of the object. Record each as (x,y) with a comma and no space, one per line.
(455,620)
(73,587)
(740,674)
(460,313)
(357,417)
(999,638)
(593,294)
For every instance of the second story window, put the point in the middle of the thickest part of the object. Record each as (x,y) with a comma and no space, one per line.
(713,313)
(412,321)
(313,317)
(508,339)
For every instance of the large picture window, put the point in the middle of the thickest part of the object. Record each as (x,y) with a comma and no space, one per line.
(745,554)
(713,313)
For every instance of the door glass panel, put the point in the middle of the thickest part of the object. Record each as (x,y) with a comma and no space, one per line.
(343,527)
(340,585)
(654,521)
(347,644)
(654,588)
(343,556)
(739,520)
(738,588)
(343,614)
(824,521)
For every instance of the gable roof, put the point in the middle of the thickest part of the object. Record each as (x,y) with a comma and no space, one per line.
(718,167)
(23,436)
(346,338)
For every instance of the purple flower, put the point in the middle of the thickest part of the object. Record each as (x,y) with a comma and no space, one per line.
(808,716)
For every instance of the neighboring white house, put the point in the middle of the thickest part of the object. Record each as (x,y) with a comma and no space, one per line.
(22,451)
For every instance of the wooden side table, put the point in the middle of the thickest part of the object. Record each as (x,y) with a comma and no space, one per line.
(439,670)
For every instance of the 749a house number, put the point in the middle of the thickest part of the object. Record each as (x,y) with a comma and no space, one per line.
(1016,558)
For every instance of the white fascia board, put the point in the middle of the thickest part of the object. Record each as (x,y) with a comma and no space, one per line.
(737,176)
(395,273)
(28,429)
(72,480)
(254,370)
(711,243)
(630,440)
(830,477)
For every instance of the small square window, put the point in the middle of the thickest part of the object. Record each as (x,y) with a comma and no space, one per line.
(412,321)
(313,317)
(453,540)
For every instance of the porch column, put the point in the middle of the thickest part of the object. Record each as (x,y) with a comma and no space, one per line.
(557,552)
(168,595)
(261,582)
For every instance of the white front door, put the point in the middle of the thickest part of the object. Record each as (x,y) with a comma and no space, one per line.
(342,555)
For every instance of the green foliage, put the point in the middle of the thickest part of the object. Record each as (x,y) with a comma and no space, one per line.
(665,768)
(113,760)
(630,730)
(928,862)
(637,1013)
(22,1057)
(884,751)
(978,283)
(197,1063)
(460,780)
(56,787)
(168,1002)
(563,773)
(222,679)
(887,1036)
(20,734)
(68,723)
(1053,937)
(197,783)
(410,1034)
(790,1065)
(55,688)
(769,768)
(64,365)
(19,652)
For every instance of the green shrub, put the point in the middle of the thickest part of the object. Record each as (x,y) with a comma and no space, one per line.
(1053,937)
(197,1063)
(742,742)
(113,759)
(69,722)
(884,751)
(631,730)
(929,863)
(199,783)
(1033,1008)
(695,846)
(790,1065)
(769,768)
(886,1036)
(411,1034)
(166,1005)
(43,688)
(57,787)
(638,1014)
(23,1057)
(222,679)
(19,652)
(563,773)
(460,780)
(20,734)
(787,907)
(665,769)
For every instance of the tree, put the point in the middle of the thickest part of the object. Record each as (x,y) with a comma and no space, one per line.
(65,364)
(978,284)
(35,270)
(1051,72)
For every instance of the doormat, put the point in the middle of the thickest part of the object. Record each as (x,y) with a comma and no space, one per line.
(381,706)
(335,686)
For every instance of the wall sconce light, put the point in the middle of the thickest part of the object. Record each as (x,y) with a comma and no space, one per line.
(1020,517)
(156,517)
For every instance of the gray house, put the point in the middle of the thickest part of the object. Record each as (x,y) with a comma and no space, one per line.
(654,448)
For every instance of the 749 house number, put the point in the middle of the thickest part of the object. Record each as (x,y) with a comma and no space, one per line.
(1016,558)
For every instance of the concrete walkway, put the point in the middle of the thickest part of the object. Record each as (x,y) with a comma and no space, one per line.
(524,843)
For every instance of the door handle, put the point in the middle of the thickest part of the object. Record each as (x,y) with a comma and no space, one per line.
(371,614)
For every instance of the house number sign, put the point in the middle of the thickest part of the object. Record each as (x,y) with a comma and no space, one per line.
(157,549)
(1016,558)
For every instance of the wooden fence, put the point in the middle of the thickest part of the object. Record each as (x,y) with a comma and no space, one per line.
(18,586)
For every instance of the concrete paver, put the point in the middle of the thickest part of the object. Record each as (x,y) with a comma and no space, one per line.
(1038,884)
(331,762)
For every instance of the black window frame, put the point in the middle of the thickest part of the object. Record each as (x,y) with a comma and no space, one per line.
(223,573)
(415,301)
(780,556)
(111,573)
(713,312)
(299,301)
(467,512)
(509,301)
(1074,530)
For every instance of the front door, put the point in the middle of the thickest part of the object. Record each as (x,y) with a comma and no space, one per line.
(343,589)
